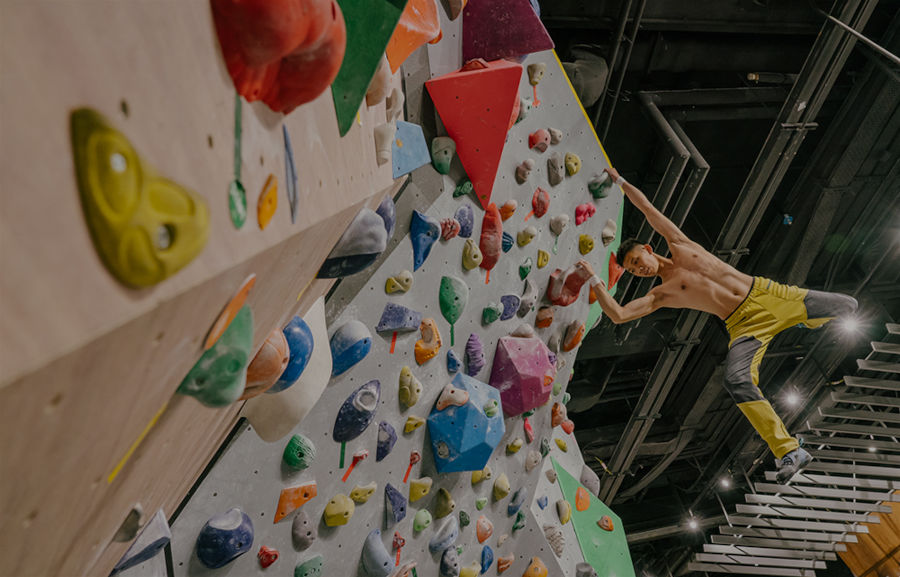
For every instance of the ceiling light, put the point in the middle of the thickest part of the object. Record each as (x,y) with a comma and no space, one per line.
(693,524)
(872,449)
(850,325)
(725,482)
(793,399)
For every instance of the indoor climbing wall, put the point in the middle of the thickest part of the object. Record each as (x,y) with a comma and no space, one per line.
(410,455)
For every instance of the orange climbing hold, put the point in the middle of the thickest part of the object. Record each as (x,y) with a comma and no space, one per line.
(504,563)
(419,23)
(430,343)
(582,499)
(229,312)
(293,498)
(536,568)
(606,523)
(615,270)
(475,104)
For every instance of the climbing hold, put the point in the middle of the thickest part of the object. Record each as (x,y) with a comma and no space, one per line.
(544,317)
(523,171)
(358,247)
(501,487)
(615,270)
(480,502)
(525,106)
(268,364)
(452,297)
(582,498)
(556,135)
(526,235)
(394,505)
(574,334)
(584,212)
(551,473)
(543,257)
(384,140)
(522,32)
(515,503)
(557,387)
(299,453)
(224,537)
(398,318)
(540,202)
(508,209)
(387,437)
(566,398)
(449,228)
(520,521)
(463,188)
(430,343)
(449,563)
(413,423)
(409,150)
(410,388)
(523,374)
(310,568)
(573,163)
(451,396)
(525,268)
(422,520)
(154,536)
(474,355)
(568,426)
(483,529)
(565,286)
(554,536)
(357,412)
(466,218)
(376,561)
(529,431)
(504,563)
(145,228)
(400,283)
(490,313)
(442,150)
(506,242)
(563,446)
(599,185)
(418,488)
(453,362)
(462,435)
(487,558)
(266,556)
(349,345)
(293,498)
(556,169)
(606,523)
(513,447)
(545,447)
(361,493)
(444,504)
(464,519)
(482,475)
(529,298)
(536,72)
(301,343)
(539,140)
(491,243)
(445,537)
(542,501)
(590,479)
(532,460)
(491,408)
(557,414)
(470,571)
(608,234)
(267,203)
(558,223)
(380,83)
(564,511)
(584,570)
(585,244)
(471,255)
(423,232)
(502,539)
(218,377)
(456,8)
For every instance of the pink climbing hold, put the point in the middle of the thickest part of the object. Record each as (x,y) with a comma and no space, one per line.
(539,140)
(502,29)
(540,202)
(584,212)
(450,228)
(565,286)
(523,374)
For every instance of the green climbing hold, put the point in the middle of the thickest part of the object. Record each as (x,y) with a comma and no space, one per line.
(545,447)
(299,453)
(442,150)
(422,520)
(491,408)
(525,268)
(444,504)
(566,398)
(463,188)
(520,521)
(310,568)
(237,203)
(480,502)
(464,519)
(557,387)
(453,296)
(527,413)
(490,313)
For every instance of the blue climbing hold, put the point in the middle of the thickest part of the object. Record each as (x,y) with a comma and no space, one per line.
(376,561)
(409,150)
(450,563)
(224,537)
(510,306)
(349,345)
(394,505)
(154,536)
(423,232)
(507,241)
(487,558)
(358,247)
(516,502)
(542,501)
(387,436)
(453,362)
(300,342)
(466,218)
(357,412)
(446,536)
(398,318)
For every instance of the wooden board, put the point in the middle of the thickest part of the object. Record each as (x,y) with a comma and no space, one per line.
(877,554)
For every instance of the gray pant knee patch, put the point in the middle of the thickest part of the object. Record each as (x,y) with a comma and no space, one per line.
(738,381)
(820,304)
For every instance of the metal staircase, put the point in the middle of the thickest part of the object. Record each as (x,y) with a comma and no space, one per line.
(794,529)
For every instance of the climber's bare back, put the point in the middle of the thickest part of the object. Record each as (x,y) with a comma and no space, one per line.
(698,280)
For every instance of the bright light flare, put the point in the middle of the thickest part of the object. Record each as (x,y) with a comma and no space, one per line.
(725,482)
(793,399)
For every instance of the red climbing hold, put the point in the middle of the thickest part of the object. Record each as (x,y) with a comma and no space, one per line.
(267,556)
(615,270)
(491,237)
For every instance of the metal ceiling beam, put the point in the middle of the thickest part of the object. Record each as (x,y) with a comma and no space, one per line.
(851,442)
(859,429)
(768,571)
(805,514)
(757,561)
(806,547)
(820,504)
(868,383)
(865,470)
(890,348)
(814,491)
(871,400)
(786,553)
(820,536)
(878,366)
(860,415)
(777,523)
(839,481)
(860,457)
(635,537)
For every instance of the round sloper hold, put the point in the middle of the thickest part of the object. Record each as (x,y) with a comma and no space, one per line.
(376,560)
(224,538)
(445,536)
(269,363)
(339,510)
(349,345)
(301,343)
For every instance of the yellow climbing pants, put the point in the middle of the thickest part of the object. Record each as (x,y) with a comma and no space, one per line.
(770,308)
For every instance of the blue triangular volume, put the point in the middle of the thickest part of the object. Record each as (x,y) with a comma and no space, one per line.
(408,149)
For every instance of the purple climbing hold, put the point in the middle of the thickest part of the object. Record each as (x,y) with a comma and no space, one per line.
(349,345)
(357,412)
(376,561)
(510,306)
(387,436)
(423,232)
(507,241)
(388,213)
(474,355)
(398,318)
(224,538)
(523,373)
(394,505)
(453,362)
(466,218)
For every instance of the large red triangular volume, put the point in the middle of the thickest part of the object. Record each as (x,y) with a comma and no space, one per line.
(495,29)
(475,104)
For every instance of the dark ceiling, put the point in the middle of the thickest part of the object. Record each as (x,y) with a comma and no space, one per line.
(800,128)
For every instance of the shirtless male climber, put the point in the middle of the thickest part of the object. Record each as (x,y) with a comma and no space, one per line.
(754,309)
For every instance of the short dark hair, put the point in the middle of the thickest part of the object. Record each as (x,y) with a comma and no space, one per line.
(625,248)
